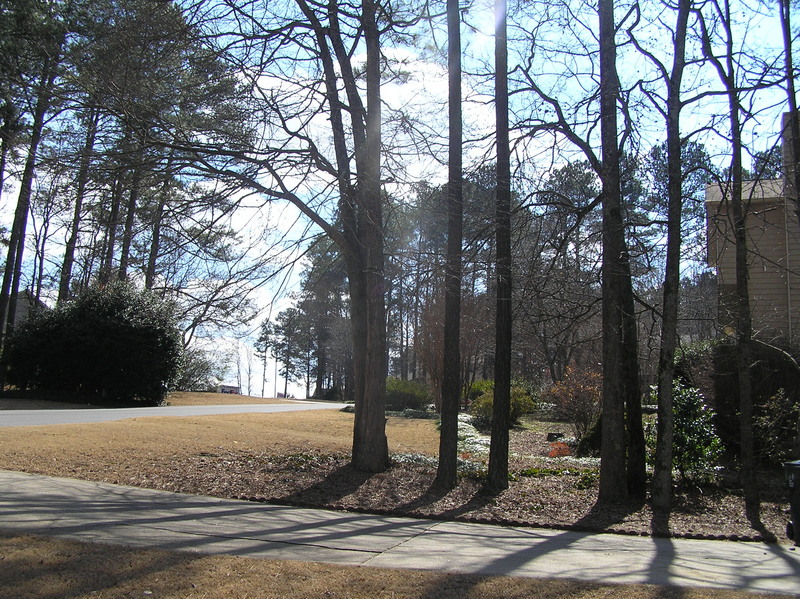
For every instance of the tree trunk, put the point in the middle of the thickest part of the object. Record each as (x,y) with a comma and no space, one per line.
(738,210)
(16,276)
(80,192)
(501,408)
(791,125)
(287,361)
(110,242)
(322,362)
(662,472)
(447,472)
(155,241)
(636,464)
(158,219)
(308,373)
(130,216)
(37,282)
(3,160)
(370,447)
(361,219)
(744,326)
(8,133)
(264,375)
(613,480)
(11,274)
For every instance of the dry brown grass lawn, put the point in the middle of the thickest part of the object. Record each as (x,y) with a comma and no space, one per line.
(187,398)
(40,448)
(48,568)
(33,448)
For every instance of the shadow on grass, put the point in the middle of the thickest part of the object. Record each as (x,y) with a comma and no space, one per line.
(753,513)
(462,504)
(604,516)
(340,486)
(48,568)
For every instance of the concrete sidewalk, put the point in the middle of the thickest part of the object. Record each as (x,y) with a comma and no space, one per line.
(143,518)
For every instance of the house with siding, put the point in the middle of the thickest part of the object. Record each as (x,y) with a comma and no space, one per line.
(773,243)
(27,305)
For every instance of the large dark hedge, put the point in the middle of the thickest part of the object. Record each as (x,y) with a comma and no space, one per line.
(116,344)
(711,367)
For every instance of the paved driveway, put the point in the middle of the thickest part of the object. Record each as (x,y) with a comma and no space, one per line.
(75,415)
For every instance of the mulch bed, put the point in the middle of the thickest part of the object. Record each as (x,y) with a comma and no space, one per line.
(563,497)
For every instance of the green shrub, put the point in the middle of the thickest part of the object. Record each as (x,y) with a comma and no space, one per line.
(481,409)
(775,427)
(775,380)
(689,357)
(406,395)
(478,388)
(116,344)
(696,446)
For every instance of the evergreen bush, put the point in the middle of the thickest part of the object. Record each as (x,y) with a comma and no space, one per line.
(406,395)
(776,428)
(116,344)
(481,408)
(711,367)
(696,446)
(478,388)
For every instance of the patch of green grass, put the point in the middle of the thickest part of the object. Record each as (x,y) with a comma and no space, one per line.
(537,472)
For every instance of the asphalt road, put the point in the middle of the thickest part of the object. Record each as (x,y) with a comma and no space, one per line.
(83,415)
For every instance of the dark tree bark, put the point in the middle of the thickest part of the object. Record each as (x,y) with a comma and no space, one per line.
(620,371)
(662,473)
(322,363)
(447,474)
(110,238)
(130,215)
(613,486)
(16,246)
(361,218)
(370,447)
(9,131)
(80,193)
(791,124)
(744,329)
(636,466)
(155,240)
(158,223)
(501,419)
(726,70)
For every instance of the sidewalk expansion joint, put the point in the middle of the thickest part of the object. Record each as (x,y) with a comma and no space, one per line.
(233,537)
(406,540)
